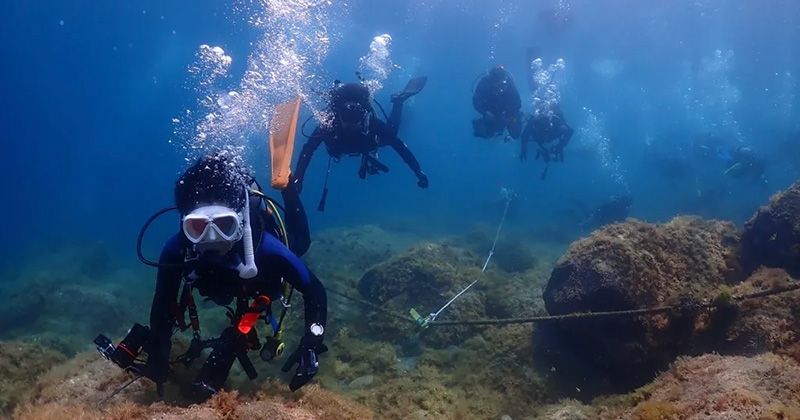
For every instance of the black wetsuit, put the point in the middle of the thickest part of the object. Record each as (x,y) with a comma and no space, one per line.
(216,278)
(497,99)
(363,140)
(550,132)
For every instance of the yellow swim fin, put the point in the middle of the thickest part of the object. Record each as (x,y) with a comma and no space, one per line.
(282,131)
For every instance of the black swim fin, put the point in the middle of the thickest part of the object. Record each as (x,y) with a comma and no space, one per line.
(413,87)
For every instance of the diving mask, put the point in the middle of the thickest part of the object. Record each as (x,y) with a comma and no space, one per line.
(352,113)
(213,228)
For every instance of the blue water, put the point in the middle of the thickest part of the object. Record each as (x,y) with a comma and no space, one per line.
(89,91)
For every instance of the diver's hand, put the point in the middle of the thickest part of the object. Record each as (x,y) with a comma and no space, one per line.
(306,359)
(422,179)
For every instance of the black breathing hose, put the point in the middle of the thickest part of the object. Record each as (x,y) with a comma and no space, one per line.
(146,225)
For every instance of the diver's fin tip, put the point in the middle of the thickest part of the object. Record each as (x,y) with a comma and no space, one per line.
(415,85)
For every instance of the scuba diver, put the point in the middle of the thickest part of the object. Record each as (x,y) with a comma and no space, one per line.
(739,161)
(233,247)
(498,101)
(743,163)
(549,130)
(356,130)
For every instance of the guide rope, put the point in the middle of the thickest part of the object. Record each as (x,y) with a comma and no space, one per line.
(641,311)
(424,322)
(581,315)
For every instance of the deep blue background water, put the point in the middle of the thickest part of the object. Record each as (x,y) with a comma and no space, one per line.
(89,90)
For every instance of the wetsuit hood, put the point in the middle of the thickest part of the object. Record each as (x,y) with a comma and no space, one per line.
(350,102)
(213,179)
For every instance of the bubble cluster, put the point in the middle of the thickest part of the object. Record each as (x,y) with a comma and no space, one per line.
(593,137)
(210,65)
(285,62)
(376,66)
(504,12)
(547,79)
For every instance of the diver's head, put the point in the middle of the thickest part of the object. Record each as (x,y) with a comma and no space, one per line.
(499,77)
(350,104)
(498,72)
(210,196)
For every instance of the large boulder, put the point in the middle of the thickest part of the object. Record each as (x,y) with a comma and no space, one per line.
(772,236)
(635,265)
(424,277)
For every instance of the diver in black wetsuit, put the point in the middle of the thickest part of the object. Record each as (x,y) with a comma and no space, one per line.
(548,129)
(355,130)
(497,99)
(743,163)
(231,249)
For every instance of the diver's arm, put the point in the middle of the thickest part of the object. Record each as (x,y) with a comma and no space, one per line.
(299,237)
(283,263)
(305,156)
(405,153)
(162,319)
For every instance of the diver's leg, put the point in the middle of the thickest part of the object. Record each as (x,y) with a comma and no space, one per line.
(296,221)
(393,124)
(218,365)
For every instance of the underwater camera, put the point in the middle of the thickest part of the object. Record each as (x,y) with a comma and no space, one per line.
(126,352)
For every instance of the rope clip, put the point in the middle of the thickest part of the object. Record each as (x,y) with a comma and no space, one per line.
(421,322)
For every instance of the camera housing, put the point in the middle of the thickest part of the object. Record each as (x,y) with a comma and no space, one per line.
(126,352)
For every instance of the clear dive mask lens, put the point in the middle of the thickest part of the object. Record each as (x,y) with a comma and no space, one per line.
(224,222)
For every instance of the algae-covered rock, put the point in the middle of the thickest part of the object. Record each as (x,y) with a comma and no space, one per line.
(723,387)
(772,236)
(638,265)
(424,277)
(67,295)
(770,323)
(76,389)
(21,364)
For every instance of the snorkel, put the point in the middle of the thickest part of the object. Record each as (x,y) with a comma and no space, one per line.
(248,269)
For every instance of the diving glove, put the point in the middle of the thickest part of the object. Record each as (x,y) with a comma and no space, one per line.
(306,358)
